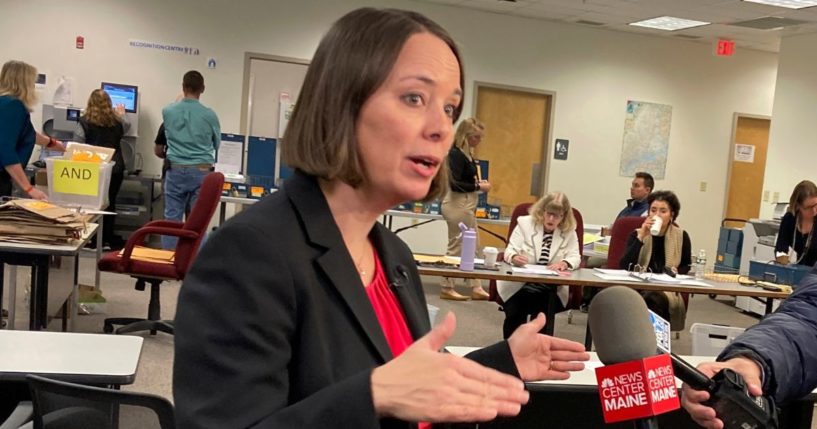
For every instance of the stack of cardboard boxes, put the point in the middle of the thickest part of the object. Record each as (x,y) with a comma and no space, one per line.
(730,243)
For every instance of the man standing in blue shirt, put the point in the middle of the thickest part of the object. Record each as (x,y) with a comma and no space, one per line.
(193,134)
(640,189)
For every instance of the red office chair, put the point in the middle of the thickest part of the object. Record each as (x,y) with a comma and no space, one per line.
(574,299)
(618,244)
(622,228)
(190,234)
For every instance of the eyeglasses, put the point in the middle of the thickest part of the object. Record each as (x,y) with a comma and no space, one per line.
(636,268)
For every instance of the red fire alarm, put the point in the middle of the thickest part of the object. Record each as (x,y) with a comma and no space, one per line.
(80,42)
(725,48)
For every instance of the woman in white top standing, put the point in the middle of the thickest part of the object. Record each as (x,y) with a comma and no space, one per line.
(545,237)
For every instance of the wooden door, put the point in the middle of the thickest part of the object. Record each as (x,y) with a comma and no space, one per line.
(514,143)
(747,168)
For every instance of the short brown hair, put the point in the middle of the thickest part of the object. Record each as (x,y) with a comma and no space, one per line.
(353,59)
(554,202)
(649,182)
(803,190)
(193,82)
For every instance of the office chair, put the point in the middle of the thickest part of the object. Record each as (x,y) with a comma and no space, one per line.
(622,228)
(59,404)
(174,267)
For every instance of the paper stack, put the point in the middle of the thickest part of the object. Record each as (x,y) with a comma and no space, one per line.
(38,222)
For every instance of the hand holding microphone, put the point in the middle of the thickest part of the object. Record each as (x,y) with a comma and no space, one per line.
(695,401)
(620,324)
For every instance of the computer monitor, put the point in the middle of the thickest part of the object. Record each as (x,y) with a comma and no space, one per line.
(126,95)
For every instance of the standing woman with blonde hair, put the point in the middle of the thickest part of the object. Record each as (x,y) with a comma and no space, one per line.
(460,202)
(17,135)
(101,125)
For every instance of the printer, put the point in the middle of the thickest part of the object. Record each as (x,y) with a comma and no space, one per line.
(759,237)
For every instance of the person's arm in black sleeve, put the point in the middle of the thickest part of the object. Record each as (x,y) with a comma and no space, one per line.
(686,255)
(786,342)
(498,357)
(160,149)
(235,325)
(630,257)
(461,179)
(785,234)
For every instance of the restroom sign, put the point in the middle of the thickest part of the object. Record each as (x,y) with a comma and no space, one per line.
(76,177)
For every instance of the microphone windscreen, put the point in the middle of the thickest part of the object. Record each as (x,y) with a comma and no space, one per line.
(620,326)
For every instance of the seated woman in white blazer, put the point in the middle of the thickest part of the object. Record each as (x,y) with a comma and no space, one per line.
(545,237)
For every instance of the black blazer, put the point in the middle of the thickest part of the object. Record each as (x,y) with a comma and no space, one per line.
(274,328)
(463,171)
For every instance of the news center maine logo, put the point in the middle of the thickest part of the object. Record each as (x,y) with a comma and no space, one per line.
(637,389)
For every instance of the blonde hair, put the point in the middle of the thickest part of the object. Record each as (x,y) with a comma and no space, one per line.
(99,110)
(467,128)
(554,202)
(17,80)
(803,190)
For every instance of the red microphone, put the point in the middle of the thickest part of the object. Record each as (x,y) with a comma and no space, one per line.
(635,384)
(637,389)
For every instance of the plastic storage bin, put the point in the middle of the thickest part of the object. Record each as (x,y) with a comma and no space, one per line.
(710,340)
(776,273)
(97,201)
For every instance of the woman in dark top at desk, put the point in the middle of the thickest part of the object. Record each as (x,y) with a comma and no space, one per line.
(669,250)
(797,230)
(17,135)
(102,125)
(305,312)
(460,202)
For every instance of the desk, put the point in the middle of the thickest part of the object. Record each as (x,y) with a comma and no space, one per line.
(574,402)
(78,358)
(39,258)
(222,207)
(587,277)
(106,360)
(388,218)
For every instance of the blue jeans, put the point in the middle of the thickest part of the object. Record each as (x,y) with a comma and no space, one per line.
(181,188)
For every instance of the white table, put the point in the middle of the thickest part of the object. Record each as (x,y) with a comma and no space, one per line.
(388,217)
(79,358)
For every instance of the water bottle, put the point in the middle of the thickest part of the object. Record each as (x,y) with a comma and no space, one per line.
(469,247)
(700,265)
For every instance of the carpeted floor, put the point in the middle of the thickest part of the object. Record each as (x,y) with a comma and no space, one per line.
(478,323)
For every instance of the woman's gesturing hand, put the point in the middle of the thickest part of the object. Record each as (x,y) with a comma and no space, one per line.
(542,357)
(423,384)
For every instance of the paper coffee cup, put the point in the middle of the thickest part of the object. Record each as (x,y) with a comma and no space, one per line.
(489,254)
(656,225)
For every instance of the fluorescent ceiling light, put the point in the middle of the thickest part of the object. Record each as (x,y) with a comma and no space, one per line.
(669,23)
(790,4)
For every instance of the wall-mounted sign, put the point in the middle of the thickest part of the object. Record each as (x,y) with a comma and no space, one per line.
(560,149)
(167,47)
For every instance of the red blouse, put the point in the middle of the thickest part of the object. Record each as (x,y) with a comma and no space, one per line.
(390,315)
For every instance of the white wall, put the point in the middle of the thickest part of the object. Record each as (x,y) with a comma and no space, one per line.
(593,73)
(791,141)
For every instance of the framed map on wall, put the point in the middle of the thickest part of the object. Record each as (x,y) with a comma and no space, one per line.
(646,139)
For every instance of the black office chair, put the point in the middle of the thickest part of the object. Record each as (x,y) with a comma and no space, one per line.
(62,405)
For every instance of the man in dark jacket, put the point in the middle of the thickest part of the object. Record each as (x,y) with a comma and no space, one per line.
(777,356)
(640,189)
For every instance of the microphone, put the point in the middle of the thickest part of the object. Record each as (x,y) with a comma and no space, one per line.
(729,394)
(635,384)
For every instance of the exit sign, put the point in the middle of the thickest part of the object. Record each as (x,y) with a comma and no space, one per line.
(725,48)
